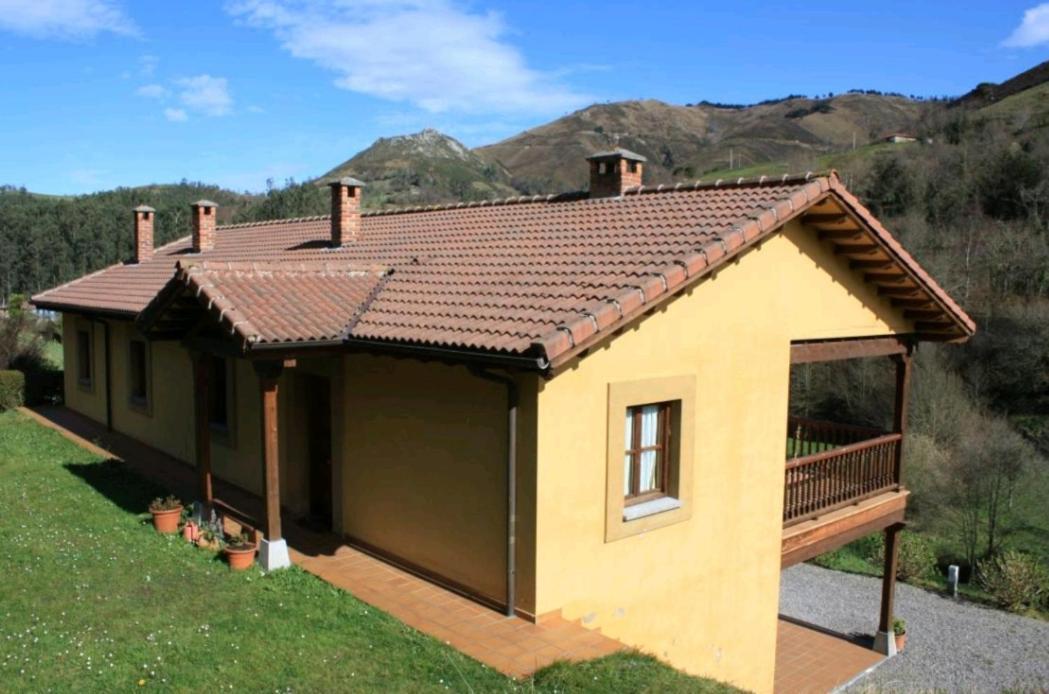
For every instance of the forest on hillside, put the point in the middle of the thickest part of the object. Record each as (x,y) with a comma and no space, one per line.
(971,203)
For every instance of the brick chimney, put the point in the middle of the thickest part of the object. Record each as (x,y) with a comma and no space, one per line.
(613,172)
(345,211)
(143,233)
(204,212)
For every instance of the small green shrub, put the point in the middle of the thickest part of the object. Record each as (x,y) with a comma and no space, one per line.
(12,389)
(1015,580)
(917,558)
(899,627)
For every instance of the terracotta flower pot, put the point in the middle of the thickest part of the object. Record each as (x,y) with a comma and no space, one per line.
(240,557)
(191,532)
(167,521)
(901,642)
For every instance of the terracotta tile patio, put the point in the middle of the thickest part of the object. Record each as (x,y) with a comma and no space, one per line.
(809,659)
(511,645)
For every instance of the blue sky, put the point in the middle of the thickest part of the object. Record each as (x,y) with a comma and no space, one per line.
(101,93)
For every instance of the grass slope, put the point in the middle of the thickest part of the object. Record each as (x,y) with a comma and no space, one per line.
(94,600)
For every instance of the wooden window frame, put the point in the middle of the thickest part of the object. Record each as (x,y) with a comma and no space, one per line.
(142,404)
(85,338)
(665,439)
(623,519)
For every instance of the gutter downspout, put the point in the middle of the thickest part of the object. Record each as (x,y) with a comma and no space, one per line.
(511,482)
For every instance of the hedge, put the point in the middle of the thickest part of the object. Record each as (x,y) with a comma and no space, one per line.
(12,389)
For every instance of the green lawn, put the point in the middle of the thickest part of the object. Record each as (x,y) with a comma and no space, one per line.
(92,599)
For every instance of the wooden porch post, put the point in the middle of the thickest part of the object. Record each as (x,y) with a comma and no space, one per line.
(888,580)
(268,373)
(903,392)
(202,426)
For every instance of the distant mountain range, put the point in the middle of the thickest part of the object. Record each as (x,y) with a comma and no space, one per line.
(681,142)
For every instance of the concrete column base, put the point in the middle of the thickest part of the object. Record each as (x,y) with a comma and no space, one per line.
(885,643)
(274,555)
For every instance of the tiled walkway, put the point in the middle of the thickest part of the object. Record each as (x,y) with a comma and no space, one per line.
(810,660)
(511,645)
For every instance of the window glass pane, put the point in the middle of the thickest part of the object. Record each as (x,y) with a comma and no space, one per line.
(84,355)
(628,438)
(648,472)
(649,425)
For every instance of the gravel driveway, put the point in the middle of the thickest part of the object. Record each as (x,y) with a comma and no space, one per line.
(951,646)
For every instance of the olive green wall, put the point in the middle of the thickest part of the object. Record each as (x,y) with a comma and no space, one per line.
(424,470)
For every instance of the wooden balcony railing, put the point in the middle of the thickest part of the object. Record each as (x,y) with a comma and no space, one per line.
(838,465)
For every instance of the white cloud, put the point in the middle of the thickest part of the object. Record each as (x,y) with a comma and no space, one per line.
(153,91)
(176,115)
(205,94)
(430,53)
(1033,29)
(65,19)
(148,64)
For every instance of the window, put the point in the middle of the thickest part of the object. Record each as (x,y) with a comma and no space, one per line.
(83,358)
(633,167)
(646,458)
(651,432)
(218,394)
(138,373)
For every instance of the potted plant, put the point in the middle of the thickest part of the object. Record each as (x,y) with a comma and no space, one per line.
(166,514)
(899,628)
(191,531)
(240,551)
(210,536)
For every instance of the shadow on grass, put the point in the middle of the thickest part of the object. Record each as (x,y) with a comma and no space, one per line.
(118,483)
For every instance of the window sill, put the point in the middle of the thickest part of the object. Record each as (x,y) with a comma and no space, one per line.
(651,508)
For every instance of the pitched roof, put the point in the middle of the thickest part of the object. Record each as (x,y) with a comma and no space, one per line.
(265,303)
(535,276)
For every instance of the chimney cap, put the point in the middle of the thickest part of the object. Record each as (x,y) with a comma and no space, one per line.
(143,208)
(347,181)
(204,203)
(617,153)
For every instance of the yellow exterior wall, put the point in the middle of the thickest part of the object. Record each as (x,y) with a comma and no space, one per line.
(89,402)
(167,424)
(424,470)
(703,593)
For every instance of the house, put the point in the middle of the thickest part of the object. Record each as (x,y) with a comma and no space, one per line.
(899,138)
(573,404)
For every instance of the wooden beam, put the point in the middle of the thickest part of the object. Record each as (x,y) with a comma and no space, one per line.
(885,277)
(898,291)
(921,315)
(888,578)
(903,396)
(857,249)
(841,234)
(268,373)
(855,348)
(202,425)
(934,326)
(912,303)
(824,218)
(871,264)
(815,537)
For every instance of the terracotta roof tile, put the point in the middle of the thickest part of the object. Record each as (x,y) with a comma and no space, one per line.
(540,275)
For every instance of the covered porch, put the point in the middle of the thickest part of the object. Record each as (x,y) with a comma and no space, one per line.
(843,481)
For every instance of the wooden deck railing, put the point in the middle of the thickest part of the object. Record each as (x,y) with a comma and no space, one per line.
(807,436)
(849,464)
